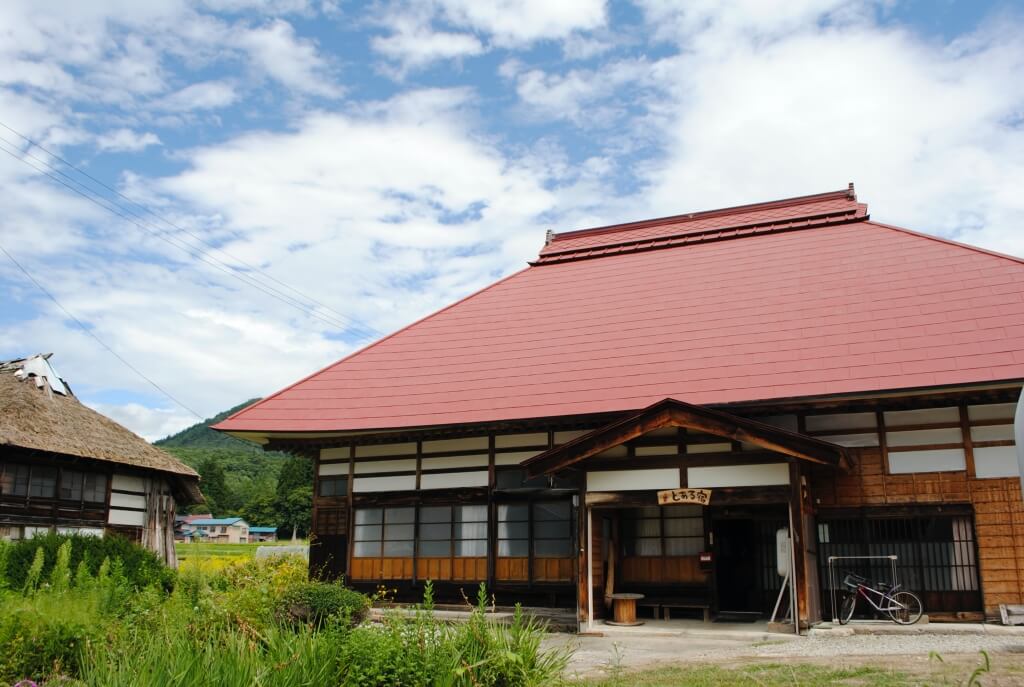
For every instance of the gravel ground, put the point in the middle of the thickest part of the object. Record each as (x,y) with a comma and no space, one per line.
(886,645)
(593,655)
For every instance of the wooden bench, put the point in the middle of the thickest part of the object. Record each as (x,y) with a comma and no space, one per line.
(662,606)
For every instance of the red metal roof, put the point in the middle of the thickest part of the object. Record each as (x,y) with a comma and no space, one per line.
(797,298)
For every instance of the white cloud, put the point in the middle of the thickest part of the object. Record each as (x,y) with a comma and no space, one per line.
(518,22)
(587,97)
(126,140)
(294,62)
(149,423)
(414,40)
(924,129)
(204,95)
(414,44)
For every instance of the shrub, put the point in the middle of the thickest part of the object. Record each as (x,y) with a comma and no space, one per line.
(43,636)
(316,603)
(142,568)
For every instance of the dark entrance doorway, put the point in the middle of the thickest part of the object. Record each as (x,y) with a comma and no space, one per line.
(746,579)
(735,572)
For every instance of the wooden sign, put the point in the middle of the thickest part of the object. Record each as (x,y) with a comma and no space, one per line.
(699,496)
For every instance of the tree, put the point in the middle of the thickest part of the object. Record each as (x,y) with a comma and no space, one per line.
(214,486)
(294,501)
(260,508)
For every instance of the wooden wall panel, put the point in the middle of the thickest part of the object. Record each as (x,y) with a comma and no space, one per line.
(512,569)
(553,569)
(662,569)
(998,514)
(381,569)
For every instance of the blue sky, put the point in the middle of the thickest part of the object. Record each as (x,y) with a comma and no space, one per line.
(386,158)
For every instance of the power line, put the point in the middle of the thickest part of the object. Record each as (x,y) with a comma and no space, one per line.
(343,321)
(94,336)
(112,207)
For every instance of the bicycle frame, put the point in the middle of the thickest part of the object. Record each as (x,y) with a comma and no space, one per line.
(864,590)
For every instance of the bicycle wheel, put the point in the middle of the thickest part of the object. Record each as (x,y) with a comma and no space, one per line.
(846,610)
(905,608)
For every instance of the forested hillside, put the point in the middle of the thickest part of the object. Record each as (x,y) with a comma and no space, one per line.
(239,478)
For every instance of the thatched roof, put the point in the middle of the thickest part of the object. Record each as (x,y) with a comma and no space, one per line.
(37,416)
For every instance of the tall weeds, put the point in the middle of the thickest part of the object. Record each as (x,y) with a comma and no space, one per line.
(221,629)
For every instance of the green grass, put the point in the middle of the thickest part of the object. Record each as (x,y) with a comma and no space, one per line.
(763,675)
(204,550)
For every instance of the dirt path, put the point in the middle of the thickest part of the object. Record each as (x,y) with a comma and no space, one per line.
(916,655)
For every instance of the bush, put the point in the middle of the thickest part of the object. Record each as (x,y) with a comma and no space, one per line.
(316,603)
(45,635)
(141,566)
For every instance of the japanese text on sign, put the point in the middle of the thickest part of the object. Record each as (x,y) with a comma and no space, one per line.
(698,496)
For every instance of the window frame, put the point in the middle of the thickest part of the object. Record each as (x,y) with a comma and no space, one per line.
(634,516)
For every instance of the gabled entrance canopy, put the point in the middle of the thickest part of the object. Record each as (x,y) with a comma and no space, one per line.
(673,413)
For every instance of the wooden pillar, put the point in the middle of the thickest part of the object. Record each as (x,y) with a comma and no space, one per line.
(799,543)
(582,566)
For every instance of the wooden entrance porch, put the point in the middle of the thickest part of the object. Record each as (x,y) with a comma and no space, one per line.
(691,555)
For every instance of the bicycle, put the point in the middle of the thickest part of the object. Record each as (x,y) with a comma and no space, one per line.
(903,607)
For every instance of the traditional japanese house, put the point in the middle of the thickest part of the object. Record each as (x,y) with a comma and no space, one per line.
(790,365)
(65,467)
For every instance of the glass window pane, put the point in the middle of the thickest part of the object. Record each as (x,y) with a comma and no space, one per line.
(514,511)
(437,530)
(514,547)
(508,479)
(557,510)
(647,547)
(15,480)
(471,530)
(471,514)
(684,546)
(369,516)
(334,486)
(647,528)
(684,511)
(366,549)
(471,547)
(684,527)
(43,483)
(435,513)
(513,530)
(552,548)
(94,489)
(367,532)
(435,548)
(71,485)
(551,530)
(397,532)
(399,515)
(400,549)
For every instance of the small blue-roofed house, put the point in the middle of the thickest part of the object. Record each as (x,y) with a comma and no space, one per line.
(262,534)
(223,530)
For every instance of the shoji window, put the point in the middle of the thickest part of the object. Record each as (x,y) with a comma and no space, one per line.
(664,531)
(384,532)
(552,529)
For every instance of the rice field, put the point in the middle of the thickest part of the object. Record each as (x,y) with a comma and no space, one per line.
(214,557)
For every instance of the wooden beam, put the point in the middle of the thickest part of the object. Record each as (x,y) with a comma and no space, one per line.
(673,413)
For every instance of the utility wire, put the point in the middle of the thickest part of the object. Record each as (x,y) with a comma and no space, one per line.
(91,333)
(82,190)
(352,323)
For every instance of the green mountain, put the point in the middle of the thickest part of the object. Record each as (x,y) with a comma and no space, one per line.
(237,477)
(201,436)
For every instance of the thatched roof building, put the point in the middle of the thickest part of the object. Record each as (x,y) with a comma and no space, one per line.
(65,466)
(35,416)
